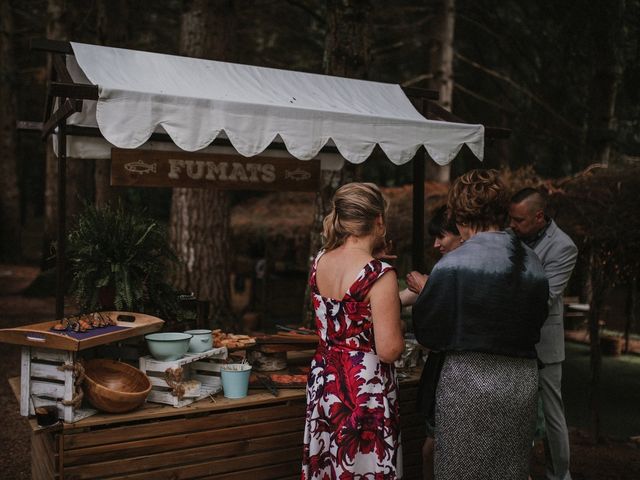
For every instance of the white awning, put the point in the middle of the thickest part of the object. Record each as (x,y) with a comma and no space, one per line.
(195,101)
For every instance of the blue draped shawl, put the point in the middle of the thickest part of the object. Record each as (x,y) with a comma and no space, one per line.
(489,295)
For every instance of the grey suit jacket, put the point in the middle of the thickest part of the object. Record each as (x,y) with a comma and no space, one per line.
(558,254)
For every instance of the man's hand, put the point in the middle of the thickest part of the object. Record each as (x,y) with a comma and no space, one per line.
(416,281)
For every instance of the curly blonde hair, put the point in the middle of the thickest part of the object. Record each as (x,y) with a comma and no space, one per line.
(355,207)
(478,199)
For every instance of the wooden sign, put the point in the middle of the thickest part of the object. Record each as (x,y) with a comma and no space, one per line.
(152,168)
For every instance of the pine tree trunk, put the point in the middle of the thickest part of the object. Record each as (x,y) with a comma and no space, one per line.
(79,172)
(10,225)
(199,224)
(56,30)
(608,32)
(441,68)
(347,53)
(111,25)
(595,309)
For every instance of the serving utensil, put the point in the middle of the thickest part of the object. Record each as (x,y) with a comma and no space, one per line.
(268,384)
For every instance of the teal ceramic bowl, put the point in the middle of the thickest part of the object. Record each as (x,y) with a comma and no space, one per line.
(201,341)
(168,346)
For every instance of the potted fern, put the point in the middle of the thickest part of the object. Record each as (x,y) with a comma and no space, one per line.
(120,259)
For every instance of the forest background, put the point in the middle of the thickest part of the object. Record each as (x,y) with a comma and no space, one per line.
(563,76)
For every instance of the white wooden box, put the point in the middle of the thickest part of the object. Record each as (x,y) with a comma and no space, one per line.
(204,367)
(41,376)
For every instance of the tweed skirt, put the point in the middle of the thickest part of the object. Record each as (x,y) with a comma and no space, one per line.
(485,417)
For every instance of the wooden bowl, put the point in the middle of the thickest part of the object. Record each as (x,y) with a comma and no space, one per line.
(114,387)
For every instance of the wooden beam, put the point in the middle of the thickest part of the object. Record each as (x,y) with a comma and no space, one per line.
(54,46)
(441,113)
(74,90)
(26,126)
(61,69)
(48,103)
(415,92)
(497,132)
(68,108)
(419,177)
(417,247)
(437,112)
(61,234)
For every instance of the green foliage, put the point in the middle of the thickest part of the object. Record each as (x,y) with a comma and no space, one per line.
(115,249)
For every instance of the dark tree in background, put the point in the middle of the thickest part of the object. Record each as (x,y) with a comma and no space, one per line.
(347,53)
(79,173)
(112,21)
(348,39)
(440,75)
(10,227)
(607,28)
(199,223)
(600,213)
(56,30)
(605,252)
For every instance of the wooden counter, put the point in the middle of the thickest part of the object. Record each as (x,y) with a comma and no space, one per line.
(258,437)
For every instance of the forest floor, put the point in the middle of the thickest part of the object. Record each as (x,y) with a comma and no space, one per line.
(616,458)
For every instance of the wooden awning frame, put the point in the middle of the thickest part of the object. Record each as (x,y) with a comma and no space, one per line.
(71,96)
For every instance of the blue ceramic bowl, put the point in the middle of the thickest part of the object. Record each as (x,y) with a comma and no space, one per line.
(201,341)
(168,346)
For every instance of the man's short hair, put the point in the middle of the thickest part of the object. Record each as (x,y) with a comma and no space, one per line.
(537,198)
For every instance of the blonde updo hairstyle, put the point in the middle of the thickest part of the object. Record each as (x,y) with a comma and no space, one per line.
(478,199)
(354,211)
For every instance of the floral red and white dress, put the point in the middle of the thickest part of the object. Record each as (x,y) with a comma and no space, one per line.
(352,426)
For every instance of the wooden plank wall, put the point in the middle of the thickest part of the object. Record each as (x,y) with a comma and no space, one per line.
(44,458)
(259,443)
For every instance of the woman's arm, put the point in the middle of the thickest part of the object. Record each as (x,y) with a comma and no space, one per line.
(385,312)
(407,297)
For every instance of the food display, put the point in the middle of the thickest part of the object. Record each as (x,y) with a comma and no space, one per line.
(282,379)
(84,322)
(231,340)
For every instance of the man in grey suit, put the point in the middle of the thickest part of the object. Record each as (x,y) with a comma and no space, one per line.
(558,254)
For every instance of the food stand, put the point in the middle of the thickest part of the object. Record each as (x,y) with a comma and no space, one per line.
(257,437)
(126,105)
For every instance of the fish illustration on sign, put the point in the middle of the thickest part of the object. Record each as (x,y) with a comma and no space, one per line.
(298,174)
(140,167)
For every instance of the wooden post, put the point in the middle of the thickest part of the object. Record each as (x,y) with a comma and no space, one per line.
(417,252)
(62,221)
(25,380)
(69,387)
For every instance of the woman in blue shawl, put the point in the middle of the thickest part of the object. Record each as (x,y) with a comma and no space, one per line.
(483,306)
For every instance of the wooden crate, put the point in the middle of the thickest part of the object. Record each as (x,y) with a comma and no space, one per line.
(42,376)
(204,367)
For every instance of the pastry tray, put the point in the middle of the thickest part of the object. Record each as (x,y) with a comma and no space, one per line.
(41,334)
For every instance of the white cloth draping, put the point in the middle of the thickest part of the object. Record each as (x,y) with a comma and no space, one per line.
(195,100)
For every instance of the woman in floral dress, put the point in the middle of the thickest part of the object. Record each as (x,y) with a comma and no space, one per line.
(352,426)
